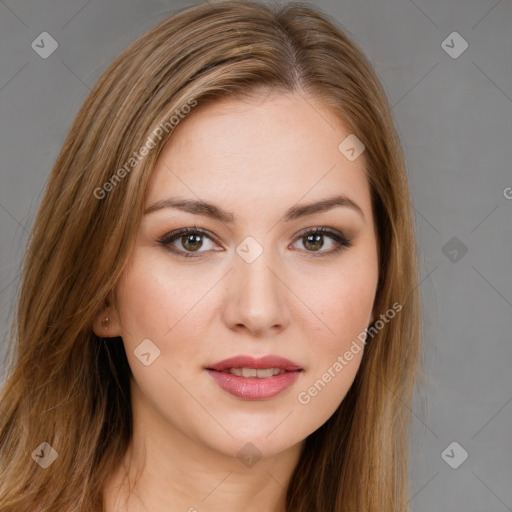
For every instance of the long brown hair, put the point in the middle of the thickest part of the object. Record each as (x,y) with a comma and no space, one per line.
(69,388)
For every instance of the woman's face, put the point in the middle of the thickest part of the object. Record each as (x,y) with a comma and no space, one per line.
(252,283)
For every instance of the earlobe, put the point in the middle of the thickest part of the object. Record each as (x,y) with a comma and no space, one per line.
(106,323)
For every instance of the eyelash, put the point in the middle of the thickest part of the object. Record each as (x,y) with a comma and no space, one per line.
(340,240)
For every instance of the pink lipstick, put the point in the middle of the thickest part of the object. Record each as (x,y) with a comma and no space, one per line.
(252,378)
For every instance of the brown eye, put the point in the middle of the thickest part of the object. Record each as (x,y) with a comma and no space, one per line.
(190,239)
(313,241)
(191,242)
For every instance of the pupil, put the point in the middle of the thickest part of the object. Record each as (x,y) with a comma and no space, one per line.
(318,245)
(191,237)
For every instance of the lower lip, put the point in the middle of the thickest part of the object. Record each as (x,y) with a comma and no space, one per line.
(254,388)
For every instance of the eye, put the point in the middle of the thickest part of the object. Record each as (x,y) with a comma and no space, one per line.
(314,239)
(191,239)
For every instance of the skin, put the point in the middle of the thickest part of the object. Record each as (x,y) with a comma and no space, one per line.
(256,158)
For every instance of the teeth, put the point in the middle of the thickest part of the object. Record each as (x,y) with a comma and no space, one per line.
(260,373)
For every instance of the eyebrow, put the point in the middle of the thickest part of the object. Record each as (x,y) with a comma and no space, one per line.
(216,212)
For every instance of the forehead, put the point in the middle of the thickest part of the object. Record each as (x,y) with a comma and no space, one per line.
(269,151)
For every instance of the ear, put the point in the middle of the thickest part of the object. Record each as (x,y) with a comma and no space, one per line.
(106,322)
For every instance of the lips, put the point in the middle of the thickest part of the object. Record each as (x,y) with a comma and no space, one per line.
(270,361)
(250,378)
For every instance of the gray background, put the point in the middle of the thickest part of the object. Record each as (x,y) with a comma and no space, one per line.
(454,118)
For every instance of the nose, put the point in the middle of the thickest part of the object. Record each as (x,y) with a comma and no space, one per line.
(256,298)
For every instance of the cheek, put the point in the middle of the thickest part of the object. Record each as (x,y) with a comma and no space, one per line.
(348,308)
(163,306)
(345,314)
(155,302)
(150,302)
(337,345)
(344,303)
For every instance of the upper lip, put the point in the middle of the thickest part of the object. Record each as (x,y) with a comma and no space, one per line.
(245,361)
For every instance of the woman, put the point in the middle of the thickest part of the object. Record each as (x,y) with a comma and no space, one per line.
(219,307)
